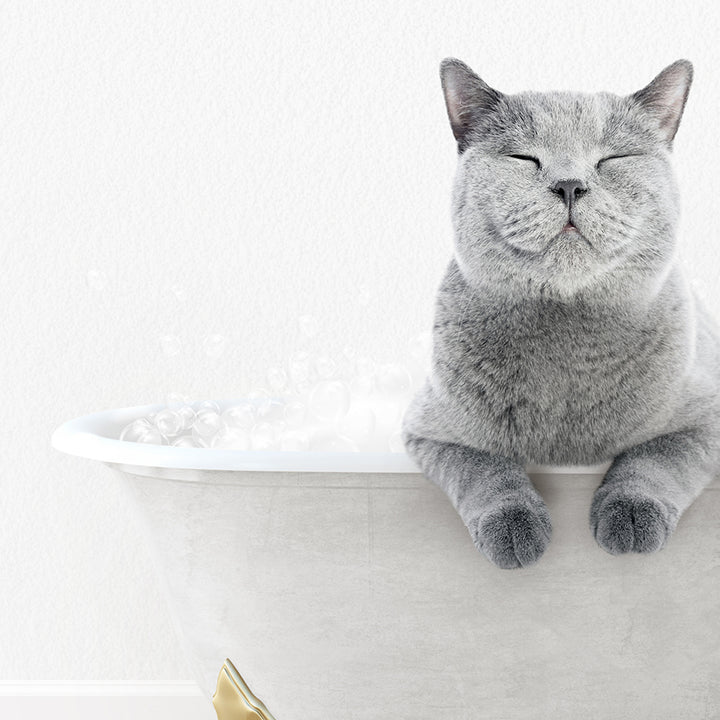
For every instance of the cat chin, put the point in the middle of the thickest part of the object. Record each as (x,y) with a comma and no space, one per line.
(558,274)
(566,286)
(567,270)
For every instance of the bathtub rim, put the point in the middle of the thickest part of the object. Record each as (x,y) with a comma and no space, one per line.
(94,436)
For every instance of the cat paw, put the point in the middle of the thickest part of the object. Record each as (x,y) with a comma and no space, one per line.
(624,521)
(513,533)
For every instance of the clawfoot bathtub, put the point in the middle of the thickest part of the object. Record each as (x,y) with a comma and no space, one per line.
(344,586)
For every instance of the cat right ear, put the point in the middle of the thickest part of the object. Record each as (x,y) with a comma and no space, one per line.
(666,95)
(467,97)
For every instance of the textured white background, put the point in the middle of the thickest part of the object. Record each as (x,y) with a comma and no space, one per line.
(221,168)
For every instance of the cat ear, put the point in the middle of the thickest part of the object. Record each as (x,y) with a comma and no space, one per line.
(467,97)
(666,95)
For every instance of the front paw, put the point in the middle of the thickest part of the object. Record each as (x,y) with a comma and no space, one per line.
(630,521)
(513,533)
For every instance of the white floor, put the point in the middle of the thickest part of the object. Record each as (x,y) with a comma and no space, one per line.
(104,702)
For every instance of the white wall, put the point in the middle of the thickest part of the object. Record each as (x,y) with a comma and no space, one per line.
(222,168)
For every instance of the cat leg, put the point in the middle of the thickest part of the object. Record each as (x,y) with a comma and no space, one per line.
(647,488)
(505,515)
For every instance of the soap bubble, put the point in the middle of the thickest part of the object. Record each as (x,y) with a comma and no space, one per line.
(326,366)
(365,365)
(187,415)
(261,400)
(214,345)
(271,410)
(294,440)
(135,429)
(295,413)
(177,400)
(395,443)
(302,369)
(363,380)
(206,405)
(346,363)
(168,422)
(171,345)
(330,441)
(199,440)
(330,400)
(301,388)
(358,424)
(393,380)
(309,326)
(241,416)
(207,423)
(142,431)
(259,393)
(362,385)
(263,436)
(231,438)
(387,414)
(277,379)
(186,441)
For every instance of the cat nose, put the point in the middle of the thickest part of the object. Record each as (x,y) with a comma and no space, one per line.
(569,190)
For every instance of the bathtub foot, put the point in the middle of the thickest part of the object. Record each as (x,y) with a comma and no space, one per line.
(233,699)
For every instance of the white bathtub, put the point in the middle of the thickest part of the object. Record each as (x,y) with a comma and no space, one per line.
(344,586)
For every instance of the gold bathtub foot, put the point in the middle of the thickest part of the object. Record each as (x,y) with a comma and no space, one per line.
(233,699)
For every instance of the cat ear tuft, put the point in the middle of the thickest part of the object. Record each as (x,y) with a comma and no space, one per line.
(467,97)
(665,96)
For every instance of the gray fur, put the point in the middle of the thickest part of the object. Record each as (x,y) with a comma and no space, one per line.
(559,347)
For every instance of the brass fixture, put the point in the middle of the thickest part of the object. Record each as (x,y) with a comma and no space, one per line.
(233,699)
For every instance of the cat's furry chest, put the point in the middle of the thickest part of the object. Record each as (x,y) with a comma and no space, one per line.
(557,382)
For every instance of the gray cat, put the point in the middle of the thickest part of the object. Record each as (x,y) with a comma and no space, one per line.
(565,332)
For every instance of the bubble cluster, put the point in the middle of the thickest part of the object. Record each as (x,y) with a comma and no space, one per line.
(343,403)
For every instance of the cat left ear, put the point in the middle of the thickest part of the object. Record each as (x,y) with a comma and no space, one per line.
(665,96)
(467,97)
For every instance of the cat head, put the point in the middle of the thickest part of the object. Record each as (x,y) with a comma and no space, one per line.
(559,192)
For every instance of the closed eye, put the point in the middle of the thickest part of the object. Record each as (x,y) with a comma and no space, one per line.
(526,157)
(616,157)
